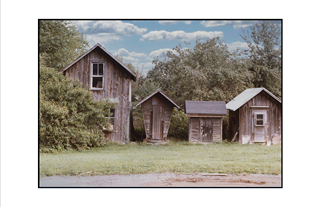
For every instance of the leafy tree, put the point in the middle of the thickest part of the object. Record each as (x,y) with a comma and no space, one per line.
(69,117)
(264,42)
(60,43)
(179,125)
(206,72)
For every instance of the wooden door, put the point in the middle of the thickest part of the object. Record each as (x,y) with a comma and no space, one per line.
(157,123)
(216,129)
(206,129)
(194,129)
(259,125)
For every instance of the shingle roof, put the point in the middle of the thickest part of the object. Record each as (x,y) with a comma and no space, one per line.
(133,75)
(154,93)
(206,107)
(245,96)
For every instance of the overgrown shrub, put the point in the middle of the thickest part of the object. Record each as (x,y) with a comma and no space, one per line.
(68,117)
(178,125)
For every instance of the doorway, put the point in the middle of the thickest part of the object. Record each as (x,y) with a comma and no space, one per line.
(259,125)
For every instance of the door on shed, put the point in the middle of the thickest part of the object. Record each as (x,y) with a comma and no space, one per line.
(206,128)
(259,125)
(194,129)
(157,123)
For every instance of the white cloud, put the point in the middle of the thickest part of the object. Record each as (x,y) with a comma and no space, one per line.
(107,31)
(169,22)
(111,27)
(215,23)
(180,35)
(241,26)
(124,52)
(135,54)
(128,58)
(101,38)
(238,44)
(159,53)
(236,24)
(144,67)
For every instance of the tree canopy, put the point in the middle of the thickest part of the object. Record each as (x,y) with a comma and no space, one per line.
(206,72)
(264,42)
(69,118)
(60,43)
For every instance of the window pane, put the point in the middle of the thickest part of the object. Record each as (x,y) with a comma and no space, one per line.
(259,116)
(100,69)
(97,82)
(113,111)
(259,122)
(95,69)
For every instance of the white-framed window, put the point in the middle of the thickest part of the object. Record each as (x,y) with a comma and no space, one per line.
(259,120)
(97,75)
(112,117)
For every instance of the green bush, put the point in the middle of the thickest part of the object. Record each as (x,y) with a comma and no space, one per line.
(178,125)
(69,118)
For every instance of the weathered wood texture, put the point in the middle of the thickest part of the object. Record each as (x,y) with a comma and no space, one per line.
(116,85)
(204,130)
(157,112)
(242,120)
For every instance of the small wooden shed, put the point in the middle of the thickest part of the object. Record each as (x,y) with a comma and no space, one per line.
(157,111)
(255,116)
(205,120)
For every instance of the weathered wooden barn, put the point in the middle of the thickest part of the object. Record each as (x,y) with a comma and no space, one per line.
(255,116)
(106,78)
(157,111)
(205,120)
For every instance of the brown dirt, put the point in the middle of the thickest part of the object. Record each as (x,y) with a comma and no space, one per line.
(163,180)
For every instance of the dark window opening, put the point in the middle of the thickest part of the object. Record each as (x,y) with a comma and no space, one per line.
(97,76)
(100,69)
(97,82)
(95,69)
(259,120)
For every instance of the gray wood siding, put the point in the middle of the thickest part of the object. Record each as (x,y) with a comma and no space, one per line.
(205,129)
(157,113)
(245,120)
(116,85)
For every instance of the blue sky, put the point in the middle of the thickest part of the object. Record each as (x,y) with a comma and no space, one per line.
(138,42)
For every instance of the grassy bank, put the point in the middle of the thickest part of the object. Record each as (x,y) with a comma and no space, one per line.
(180,157)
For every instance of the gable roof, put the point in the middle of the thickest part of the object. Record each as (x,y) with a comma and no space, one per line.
(133,75)
(154,93)
(246,96)
(206,107)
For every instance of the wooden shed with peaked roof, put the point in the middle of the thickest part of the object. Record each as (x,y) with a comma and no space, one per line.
(107,78)
(157,111)
(255,116)
(205,120)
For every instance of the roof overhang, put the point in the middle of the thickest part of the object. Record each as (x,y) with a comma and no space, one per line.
(206,108)
(154,93)
(132,74)
(246,96)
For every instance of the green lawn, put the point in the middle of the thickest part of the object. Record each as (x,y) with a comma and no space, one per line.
(176,157)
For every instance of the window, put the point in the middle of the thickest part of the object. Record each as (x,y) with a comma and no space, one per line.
(112,117)
(259,120)
(97,76)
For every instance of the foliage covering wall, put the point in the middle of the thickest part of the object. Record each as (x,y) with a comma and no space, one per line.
(68,116)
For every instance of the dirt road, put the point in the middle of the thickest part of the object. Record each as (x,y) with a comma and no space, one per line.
(163,180)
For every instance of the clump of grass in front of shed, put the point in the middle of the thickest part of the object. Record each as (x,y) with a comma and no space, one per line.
(173,157)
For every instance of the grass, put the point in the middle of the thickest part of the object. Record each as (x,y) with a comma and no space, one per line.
(175,157)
